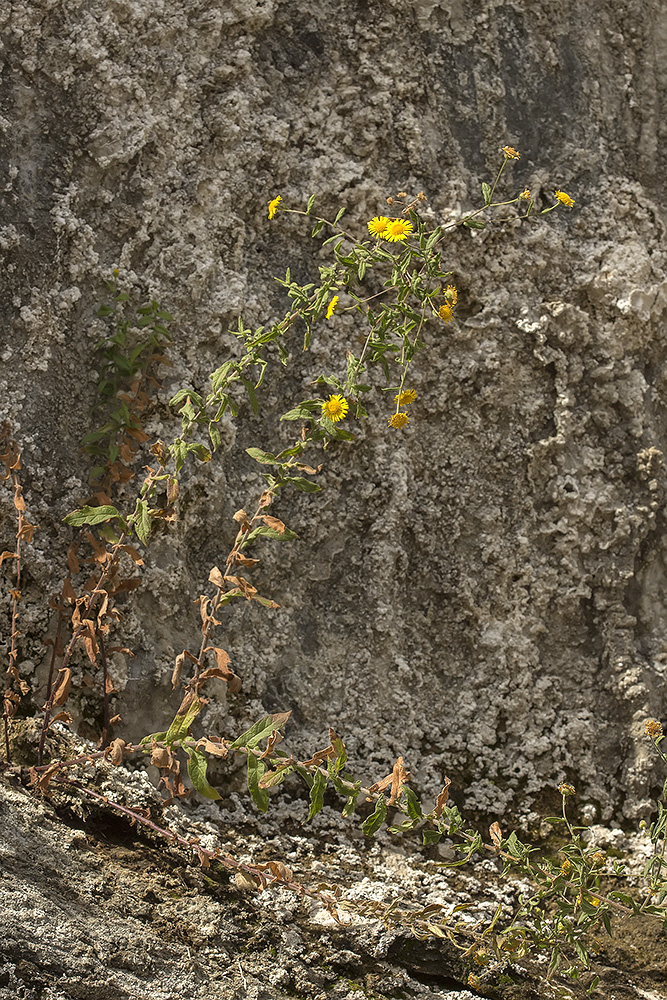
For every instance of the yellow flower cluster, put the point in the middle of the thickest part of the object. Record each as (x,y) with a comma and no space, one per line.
(335,408)
(451,295)
(331,308)
(392,230)
(398,420)
(510,153)
(564,199)
(446,313)
(407,396)
(653,729)
(566,789)
(273,206)
(525,194)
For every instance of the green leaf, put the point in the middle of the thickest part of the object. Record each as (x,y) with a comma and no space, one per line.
(311,202)
(305,485)
(376,819)
(154,738)
(434,237)
(340,215)
(183,720)
(474,224)
(201,451)
(304,410)
(334,767)
(91,515)
(267,532)
(412,803)
(272,778)
(430,837)
(486,191)
(252,395)
(317,791)
(256,769)
(316,228)
(142,521)
(197,765)
(260,729)
(263,457)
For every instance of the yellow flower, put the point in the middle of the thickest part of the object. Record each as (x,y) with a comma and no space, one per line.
(273,206)
(565,867)
(510,153)
(407,396)
(377,226)
(653,728)
(331,308)
(446,313)
(451,295)
(525,194)
(335,408)
(566,789)
(398,420)
(397,229)
(564,199)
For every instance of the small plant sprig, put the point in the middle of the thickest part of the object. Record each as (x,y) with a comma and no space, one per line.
(134,345)
(15,686)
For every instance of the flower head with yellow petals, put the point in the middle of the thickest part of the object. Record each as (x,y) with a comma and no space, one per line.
(525,194)
(398,420)
(331,308)
(377,226)
(405,397)
(511,153)
(273,206)
(451,295)
(446,313)
(564,198)
(335,408)
(397,229)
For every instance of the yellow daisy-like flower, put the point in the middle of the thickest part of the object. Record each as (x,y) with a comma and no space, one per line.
(331,308)
(446,313)
(564,199)
(525,194)
(335,408)
(398,420)
(377,226)
(273,206)
(510,153)
(451,295)
(397,229)
(407,396)
(565,789)
(565,867)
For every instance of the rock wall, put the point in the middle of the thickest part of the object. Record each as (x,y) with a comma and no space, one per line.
(483,592)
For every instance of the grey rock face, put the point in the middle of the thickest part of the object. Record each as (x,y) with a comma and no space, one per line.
(483,592)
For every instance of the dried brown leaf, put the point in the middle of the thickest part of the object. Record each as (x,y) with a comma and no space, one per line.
(273,522)
(114,752)
(62,687)
(496,834)
(7,555)
(442,798)
(214,746)
(216,578)
(177,671)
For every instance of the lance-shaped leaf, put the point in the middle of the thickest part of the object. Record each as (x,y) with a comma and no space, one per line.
(261,729)
(92,515)
(317,791)
(376,819)
(142,523)
(197,765)
(259,795)
(187,713)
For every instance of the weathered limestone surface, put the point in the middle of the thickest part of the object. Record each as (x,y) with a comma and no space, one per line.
(484,592)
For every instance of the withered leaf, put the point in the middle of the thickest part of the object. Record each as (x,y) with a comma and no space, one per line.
(27,531)
(213,746)
(265,499)
(162,757)
(216,578)
(274,522)
(72,561)
(247,882)
(496,834)
(399,776)
(62,686)
(241,517)
(114,752)
(133,554)
(442,798)
(7,555)
(63,717)
(68,590)
(177,671)
(19,502)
